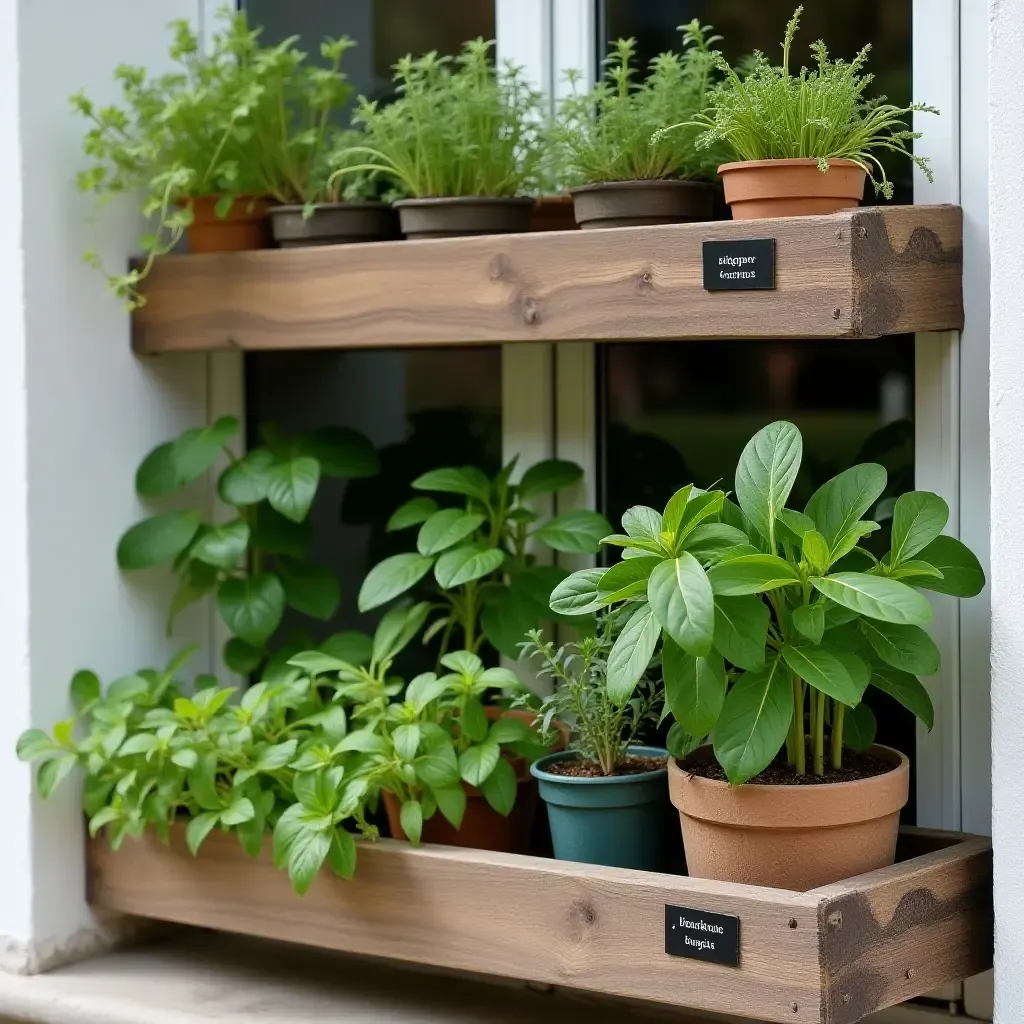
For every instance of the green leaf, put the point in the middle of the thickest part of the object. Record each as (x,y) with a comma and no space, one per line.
(917,519)
(912,570)
(247,482)
(451,800)
(445,529)
(310,589)
(292,487)
(642,523)
(306,856)
(277,535)
(755,719)
(875,597)
(511,730)
(908,648)
(468,481)
(577,532)
(157,474)
(680,596)
(393,576)
(439,767)
(238,813)
(751,574)
(507,616)
(816,552)
(631,654)
(849,540)
(425,688)
(196,581)
(477,763)
(33,744)
(52,773)
(578,594)
(699,508)
(907,689)
(859,728)
(195,450)
(412,821)
(160,538)
(412,513)
(467,563)
(673,515)
(316,663)
(548,477)
(85,689)
(766,472)
(741,630)
(499,788)
(795,523)
(221,546)
(694,687)
(962,574)
(253,607)
(837,505)
(858,670)
(822,670)
(363,741)
(397,629)
(199,828)
(681,744)
(406,739)
(350,646)
(342,854)
(341,452)
(473,720)
(809,620)
(627,578)
(709,542)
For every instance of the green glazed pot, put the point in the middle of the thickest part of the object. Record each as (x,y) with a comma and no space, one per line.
(619,821)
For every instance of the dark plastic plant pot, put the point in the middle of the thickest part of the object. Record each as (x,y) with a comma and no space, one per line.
(623,204)
(333,224)
(620,821)
(464,215)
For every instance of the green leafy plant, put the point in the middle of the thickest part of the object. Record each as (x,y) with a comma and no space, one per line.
(606,134)
(459,127)
(601,730)
(275,760)
(488,584)
(821,113)
(773,622)
(256,562)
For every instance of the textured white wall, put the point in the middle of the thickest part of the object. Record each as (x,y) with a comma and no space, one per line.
(1006,212)
(77,412)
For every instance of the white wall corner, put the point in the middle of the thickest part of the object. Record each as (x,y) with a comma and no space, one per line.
(1006,419)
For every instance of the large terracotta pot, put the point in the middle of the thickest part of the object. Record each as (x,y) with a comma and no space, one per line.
(791,188)
(244,227)
(789,837)
(483,828)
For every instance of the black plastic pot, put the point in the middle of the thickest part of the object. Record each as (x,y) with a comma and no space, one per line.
(621,204)
(333,224)
(449,217)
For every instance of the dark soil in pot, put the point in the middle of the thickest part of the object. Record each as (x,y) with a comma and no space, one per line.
(582,769)
(779,773)
(333,224)
(620,204)
(453,216)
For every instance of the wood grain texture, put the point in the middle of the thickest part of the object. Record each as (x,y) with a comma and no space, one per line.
(856,274)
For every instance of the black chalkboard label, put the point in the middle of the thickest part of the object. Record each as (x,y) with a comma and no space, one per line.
(700,935)
(741,263)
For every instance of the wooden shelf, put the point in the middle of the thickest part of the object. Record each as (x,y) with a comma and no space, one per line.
(863,273)
(829,956)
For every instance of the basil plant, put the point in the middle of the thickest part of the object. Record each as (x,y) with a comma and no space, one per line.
(773,622)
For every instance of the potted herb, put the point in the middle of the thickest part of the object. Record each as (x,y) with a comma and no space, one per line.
(804,143)
(605,793)
(773,623)
(462,140)
(478,550)
(606,136)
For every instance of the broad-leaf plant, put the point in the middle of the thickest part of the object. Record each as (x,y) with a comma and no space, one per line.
(486,581)
(772,622)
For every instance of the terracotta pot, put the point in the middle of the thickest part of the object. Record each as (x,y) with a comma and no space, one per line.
(789,837)
(483,828)
(553,213)
(244,227)
(333,224)
(791,188)
(621,204)
(452,216)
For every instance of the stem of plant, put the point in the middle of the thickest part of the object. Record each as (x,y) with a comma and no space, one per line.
(837,734)
(819,733)
(799,737)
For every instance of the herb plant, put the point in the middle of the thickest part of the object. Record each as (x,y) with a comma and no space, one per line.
(257,561)
(459,127)
(606,134)
(488,584)
(602,730)
(820,113)
(773,622)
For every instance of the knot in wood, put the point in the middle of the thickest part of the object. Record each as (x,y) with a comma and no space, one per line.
(836,313)
(645,283)
(909,973)
(795,1007)
(582,917)
(835,920)
(499,267)
(792,922)
(530,312)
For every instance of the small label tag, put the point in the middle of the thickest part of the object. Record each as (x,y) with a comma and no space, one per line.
(739,264)
(700,935)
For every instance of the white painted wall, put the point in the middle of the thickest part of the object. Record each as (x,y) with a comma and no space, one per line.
(77,412)
(1006,206)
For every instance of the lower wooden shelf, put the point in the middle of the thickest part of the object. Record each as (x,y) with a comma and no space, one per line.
(829,956)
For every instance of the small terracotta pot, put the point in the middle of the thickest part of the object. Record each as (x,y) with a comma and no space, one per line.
(244,227)
(791,188)
(789,837)
(333,224)
(453,216)
(553,213)
(622,204)
(483,828)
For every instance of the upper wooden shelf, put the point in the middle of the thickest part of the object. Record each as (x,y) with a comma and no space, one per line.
(863,273)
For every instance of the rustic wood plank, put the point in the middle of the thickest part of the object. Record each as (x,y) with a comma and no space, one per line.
(896,933)
(857,274)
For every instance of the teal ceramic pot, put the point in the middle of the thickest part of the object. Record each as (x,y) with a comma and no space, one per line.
(619,821)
